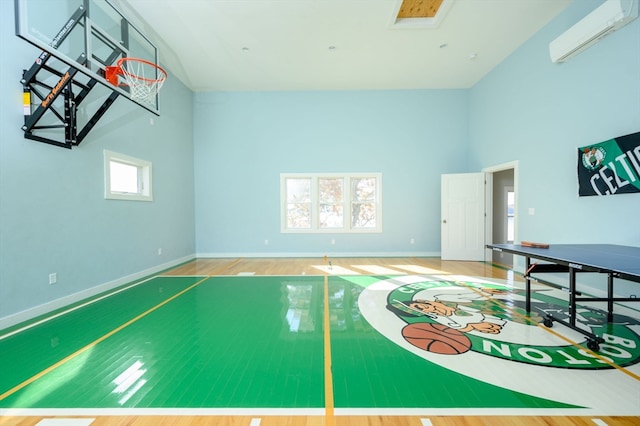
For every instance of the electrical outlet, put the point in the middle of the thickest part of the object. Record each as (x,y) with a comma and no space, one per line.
(159,251)
(333,241)
(266,242)
(412,241)
(53,278)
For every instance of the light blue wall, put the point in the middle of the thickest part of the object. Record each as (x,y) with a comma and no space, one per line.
(537,112)
(243,141)
(527,109)
(53,215)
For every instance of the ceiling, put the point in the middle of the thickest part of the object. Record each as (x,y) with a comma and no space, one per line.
(268,45)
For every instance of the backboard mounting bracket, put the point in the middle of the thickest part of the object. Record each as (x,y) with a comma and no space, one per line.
(60,97)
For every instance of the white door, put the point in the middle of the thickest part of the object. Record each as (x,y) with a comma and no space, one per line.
(463,216)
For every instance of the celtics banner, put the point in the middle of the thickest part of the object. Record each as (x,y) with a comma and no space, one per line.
(610,167)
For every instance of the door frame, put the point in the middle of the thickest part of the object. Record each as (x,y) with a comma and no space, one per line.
(489,195)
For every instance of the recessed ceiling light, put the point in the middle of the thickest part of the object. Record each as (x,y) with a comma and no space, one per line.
(245,49)
(443,45)
(473,56)
(332,48)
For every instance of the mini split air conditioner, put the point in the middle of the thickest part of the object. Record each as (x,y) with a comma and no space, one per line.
(610,16)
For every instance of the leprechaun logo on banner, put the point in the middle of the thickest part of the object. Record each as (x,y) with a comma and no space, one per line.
(610,167)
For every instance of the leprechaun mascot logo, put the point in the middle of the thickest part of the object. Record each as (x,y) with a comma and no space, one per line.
(454,318)
(480,329)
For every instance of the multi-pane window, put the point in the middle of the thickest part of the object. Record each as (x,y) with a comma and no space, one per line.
(126,178)
(331,202)
(298,203)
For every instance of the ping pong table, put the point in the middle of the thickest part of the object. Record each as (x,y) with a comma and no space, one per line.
(616,261)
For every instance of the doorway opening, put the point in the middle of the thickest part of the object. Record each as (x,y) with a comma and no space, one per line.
(502,211)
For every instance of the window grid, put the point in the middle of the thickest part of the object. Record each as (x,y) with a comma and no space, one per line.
(332,203)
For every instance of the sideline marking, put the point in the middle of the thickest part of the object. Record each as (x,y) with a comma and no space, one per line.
(328,378)
(599,422)
(255,422)
(426,422)
(106,336)
(82,305)
(65,422)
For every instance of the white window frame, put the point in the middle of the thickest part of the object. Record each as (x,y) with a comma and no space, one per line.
(315,203)
(145,187)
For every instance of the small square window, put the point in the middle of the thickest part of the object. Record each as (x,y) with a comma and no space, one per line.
(126,178)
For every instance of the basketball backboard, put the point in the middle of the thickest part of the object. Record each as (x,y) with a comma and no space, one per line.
(88,35)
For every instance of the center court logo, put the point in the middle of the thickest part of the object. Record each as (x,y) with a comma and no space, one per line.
(434,318)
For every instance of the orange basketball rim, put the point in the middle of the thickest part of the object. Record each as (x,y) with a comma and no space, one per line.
(144,78)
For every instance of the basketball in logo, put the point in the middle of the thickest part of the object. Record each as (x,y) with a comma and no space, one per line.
(436,338)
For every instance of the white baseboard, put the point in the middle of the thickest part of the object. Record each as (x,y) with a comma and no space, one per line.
(45,308)
(318,255)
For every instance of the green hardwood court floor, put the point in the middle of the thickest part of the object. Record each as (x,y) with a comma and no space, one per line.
(233,342)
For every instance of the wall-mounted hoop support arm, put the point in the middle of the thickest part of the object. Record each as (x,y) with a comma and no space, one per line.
(98,114)
(56,84)
(41,61)
(67,119)
(31,120)
(30,82)
(79,137)
(66,116)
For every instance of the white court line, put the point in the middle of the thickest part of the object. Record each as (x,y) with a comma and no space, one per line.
(95,412)
(255,412)
(599,422)
(255,422)
(427,412)
(65,422)
(42,321)
(426,422)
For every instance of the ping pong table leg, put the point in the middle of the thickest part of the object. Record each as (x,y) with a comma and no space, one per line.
(527,281)
(593,341)
(610,297)
(572,296)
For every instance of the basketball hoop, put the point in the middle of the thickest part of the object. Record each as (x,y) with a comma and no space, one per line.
(144,78)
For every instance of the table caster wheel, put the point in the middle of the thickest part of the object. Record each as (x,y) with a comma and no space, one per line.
(593,345)
(548,322)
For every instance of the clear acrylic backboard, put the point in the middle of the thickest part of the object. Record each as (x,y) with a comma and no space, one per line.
(88,35)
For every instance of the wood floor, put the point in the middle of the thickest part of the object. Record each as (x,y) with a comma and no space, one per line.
(320,266)
(343,266)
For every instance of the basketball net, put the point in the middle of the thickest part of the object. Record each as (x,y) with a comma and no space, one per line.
(144,78)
